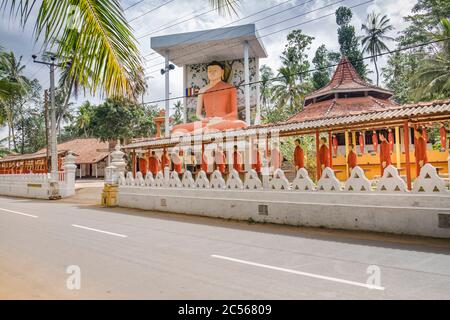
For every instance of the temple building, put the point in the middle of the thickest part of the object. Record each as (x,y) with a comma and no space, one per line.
(347,111)
(347,93)
(91,159)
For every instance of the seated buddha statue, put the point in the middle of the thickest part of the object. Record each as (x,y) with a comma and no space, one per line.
(218,100)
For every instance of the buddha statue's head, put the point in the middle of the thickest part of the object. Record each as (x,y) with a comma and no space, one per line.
(216,71)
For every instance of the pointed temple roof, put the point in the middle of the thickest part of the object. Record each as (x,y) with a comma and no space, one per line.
(347,93)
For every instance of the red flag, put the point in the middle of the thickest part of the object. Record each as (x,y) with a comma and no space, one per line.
(443,134)
(335,145)
(391,140)
(375,141)
(361,142)
(424,134)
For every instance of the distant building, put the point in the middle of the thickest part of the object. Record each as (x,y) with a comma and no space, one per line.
(91,159)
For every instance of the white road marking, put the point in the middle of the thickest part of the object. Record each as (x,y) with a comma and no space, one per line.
(312,275)
(101,231)
(21,213)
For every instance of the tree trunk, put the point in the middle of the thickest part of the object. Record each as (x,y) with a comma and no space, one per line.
(9,137)
(376,69)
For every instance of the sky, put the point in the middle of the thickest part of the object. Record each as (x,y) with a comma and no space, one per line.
(173,15)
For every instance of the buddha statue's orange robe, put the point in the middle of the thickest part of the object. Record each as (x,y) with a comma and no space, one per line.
(299,157)
(385,155)
(420,153)
(218,101)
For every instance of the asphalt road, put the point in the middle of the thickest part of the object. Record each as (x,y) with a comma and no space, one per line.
(132,254)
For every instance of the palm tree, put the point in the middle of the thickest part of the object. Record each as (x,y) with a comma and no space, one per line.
(266,85)
(12,70)
(432,79)
(287,93)
(84,117)
(375,29)
(95,37)
(178,114)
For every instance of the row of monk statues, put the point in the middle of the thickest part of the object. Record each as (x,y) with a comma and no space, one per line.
(181,160)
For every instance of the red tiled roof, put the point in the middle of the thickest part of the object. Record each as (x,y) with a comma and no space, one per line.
(438,109)
(87,150)
(342,106)
(345,79)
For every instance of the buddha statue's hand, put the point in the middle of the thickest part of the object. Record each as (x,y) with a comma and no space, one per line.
(214,120)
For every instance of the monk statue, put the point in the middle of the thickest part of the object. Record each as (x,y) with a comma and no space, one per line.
(219,101)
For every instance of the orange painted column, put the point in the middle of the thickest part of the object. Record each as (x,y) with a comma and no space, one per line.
(407,158)
(133,163)
(148,160)
(330,148)
(317,155)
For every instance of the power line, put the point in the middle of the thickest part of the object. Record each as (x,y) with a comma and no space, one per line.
(251,15)
(310,70)
(151,10)
(206,12)
(39,70)
(290,27)
(131,6)
(178,23)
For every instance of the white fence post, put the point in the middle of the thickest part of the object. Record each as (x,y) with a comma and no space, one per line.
(70,169)
(116,167)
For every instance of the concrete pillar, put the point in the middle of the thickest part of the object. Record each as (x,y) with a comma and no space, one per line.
(258,94)
(166,176)
(70,169)
(117,166)
(407,156)
(247,82)
(318,169)
(330,148)
(398,152)
(185,84)
(265,171)
(167,96)
(346,153)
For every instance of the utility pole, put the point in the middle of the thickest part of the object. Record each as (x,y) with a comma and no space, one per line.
(47,140)
(168,67)
(54,151)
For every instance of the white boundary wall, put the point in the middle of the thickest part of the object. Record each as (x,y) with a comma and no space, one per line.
(40,186)
(354,206)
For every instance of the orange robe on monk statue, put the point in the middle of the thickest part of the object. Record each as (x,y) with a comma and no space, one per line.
(385,154)
(218,101)
(420,151)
